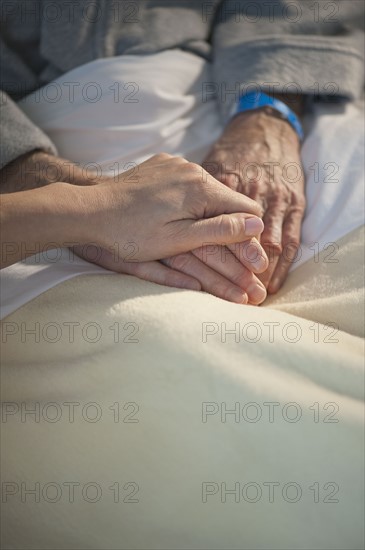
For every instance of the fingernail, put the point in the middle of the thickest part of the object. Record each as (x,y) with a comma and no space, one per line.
(256,292)
(253,226)
(237,296)
(261,262)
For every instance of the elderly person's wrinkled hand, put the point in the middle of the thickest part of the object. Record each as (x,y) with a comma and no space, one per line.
(258,155)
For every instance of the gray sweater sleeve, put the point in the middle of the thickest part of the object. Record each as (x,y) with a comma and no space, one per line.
(314,48)
(18,133)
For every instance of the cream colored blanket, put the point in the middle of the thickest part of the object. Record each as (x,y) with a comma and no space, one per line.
(171,419)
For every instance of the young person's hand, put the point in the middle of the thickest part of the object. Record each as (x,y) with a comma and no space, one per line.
(179,213)
(166,207)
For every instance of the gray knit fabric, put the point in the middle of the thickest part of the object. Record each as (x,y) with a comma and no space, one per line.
(281,45)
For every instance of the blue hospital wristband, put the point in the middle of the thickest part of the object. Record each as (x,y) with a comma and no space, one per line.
(256,100)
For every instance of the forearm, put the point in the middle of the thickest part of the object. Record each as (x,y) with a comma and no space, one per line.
(30,221)
(261,128)
(38,169)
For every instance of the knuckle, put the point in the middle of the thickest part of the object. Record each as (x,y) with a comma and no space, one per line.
(162,156)
(227,227)
(272,224)
(290,250)
(192,177)
(299,204)
(195,171)
(294,216)
(238,278)
(293,243)
(272,248)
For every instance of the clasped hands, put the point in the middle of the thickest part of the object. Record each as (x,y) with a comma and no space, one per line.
(241,258)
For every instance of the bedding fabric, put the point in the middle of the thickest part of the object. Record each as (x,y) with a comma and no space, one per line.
(170,419)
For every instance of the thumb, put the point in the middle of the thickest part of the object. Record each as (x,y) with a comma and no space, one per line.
(223,229)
